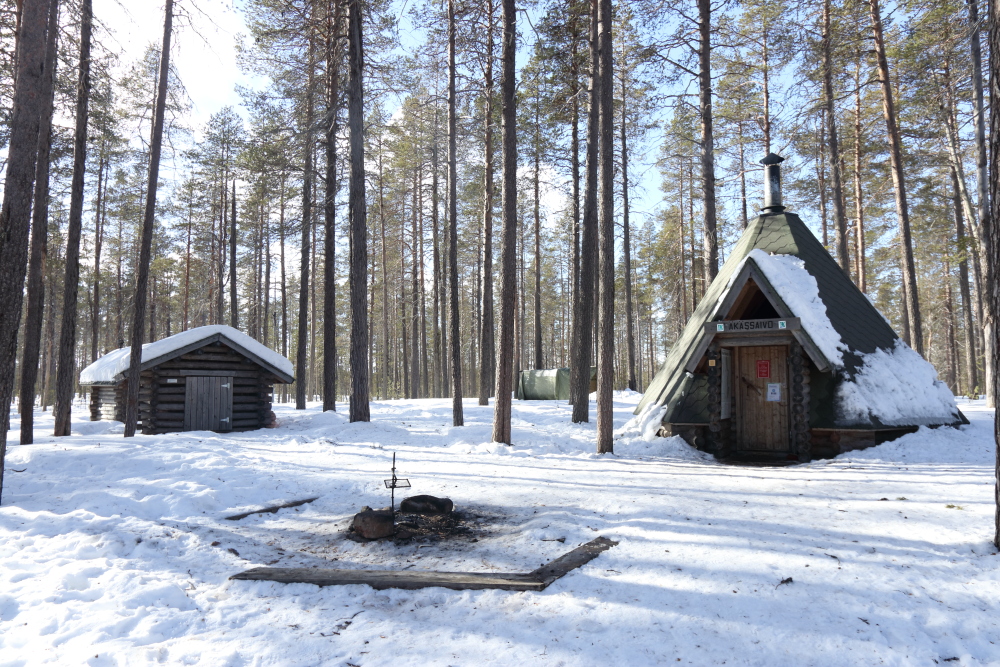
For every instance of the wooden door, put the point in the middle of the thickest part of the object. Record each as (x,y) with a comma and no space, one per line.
(760,382)
(208,404)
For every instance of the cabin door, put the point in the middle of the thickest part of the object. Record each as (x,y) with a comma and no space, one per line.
(208,404)
(760,384)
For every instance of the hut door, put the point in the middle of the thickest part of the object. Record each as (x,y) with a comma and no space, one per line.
(208,404)
(760,382)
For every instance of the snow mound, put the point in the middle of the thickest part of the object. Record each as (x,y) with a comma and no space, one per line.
(108,367)
(944,445)
(638,438)
(800,292)
(896,386)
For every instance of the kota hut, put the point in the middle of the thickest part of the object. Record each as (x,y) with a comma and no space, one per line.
(785,358)
(212,378)
(548,384)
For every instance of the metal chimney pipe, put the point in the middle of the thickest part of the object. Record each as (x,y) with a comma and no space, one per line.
(772,183)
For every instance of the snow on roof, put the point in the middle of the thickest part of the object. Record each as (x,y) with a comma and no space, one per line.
(800,292)
(108,368)
(897,386)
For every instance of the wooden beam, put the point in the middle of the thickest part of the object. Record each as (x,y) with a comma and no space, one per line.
(270,510)
(538,580)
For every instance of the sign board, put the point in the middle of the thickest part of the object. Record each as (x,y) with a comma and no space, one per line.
(754,326)
(763,368)
(773,392)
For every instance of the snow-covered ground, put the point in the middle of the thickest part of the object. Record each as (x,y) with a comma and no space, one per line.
(116,552)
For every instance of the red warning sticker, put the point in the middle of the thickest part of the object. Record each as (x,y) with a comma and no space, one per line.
(763,368)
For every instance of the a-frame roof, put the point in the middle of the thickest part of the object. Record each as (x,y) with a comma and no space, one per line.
(861,328)
(110,369)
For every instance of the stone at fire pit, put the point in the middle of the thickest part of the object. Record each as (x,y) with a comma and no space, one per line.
(426,505)
(373,524)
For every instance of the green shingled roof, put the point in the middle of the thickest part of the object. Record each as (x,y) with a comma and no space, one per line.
(861,327)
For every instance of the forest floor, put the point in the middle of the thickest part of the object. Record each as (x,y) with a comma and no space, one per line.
(116,552)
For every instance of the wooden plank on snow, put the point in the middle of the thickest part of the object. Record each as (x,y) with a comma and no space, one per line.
(270,510)
(538,580)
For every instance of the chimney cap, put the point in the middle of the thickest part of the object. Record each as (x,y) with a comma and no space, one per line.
(771,158)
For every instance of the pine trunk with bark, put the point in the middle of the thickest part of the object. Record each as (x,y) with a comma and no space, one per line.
(508,248)
(15,213)
(972,384)
(302,338)
(707,139)
(584,305)
(234,306)
(330,211)
(984,256)
(148,220)
(626,235)
(606,275)
(992,277)
(839,212)
(487,373)
(457,416)
(907,266)
(360,381)
(39,240)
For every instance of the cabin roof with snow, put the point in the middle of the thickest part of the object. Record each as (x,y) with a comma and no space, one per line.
(111,368)
(868,378)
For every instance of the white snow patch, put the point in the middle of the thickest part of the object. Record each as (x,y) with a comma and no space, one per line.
(800,292)
(896,386)
(115,551)
(113,363)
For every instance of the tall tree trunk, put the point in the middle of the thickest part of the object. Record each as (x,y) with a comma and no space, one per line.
(539,363)
(821,178)
(15,213)
(39,238)
(839,213)
(626,232)
(234,306)
(436,269)
(99,218)
(984,256)
(680,245)
(899,185)
(584,306)
(859,205)
(360,388)
(743,178)
(457,416)
(330,211)
(606,316)
(992,277)
(575,204)
(148,219)
(488,349)
(386,352)
(963,285)
(508,250)
(707,138)
(425,370)
(302,335)
(284,279)
(415,288)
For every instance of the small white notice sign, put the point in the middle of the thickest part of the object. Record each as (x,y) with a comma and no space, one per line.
(773,391)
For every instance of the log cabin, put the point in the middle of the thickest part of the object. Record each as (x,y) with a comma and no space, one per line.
(785,359)
(212,378)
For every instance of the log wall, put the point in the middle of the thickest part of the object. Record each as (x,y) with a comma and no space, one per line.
(162,389)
